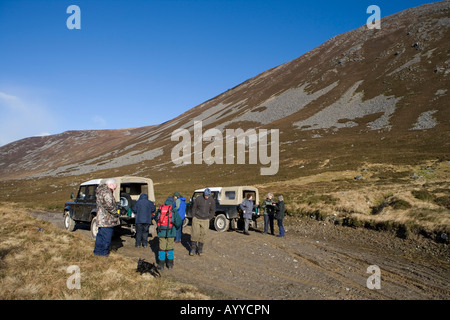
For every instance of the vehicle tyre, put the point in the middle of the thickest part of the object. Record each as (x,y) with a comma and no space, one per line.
(94,227)
(69,223)
(221,223)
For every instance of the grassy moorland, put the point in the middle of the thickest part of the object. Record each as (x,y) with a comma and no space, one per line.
(404,199)
(407,199)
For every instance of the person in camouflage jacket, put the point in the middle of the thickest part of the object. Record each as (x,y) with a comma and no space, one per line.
(106,207)
(107,217)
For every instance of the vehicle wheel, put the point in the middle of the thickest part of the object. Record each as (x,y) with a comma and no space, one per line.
(69,223)
(94,227)
(221,223)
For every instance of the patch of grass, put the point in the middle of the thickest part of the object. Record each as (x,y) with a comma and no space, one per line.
(313,214)
(443,201)
(399,204)
(323,198)
(423,195)
(380,203)
(352,222)
(393,202)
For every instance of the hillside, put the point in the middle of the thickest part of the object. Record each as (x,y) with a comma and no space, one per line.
(363,99)
(357,94)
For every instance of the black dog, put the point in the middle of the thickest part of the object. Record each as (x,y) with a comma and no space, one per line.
(144,266)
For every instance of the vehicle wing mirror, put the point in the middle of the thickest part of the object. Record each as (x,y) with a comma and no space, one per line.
(71,196)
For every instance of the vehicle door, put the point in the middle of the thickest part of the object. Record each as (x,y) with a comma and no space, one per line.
(79,205)
(90,202)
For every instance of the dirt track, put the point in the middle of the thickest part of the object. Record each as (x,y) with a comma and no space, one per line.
(315,260)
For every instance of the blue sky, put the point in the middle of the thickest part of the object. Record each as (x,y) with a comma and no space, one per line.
(137,63)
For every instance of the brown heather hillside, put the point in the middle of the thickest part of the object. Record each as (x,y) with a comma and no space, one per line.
(368,102)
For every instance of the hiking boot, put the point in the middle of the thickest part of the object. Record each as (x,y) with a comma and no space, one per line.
(161,265)
(200,248)
(169,263)
(193,248)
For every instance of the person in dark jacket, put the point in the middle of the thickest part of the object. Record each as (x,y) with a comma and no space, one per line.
(143,209)
(167,236)
(203,210)
(247,210)
(280,215)
(268,206)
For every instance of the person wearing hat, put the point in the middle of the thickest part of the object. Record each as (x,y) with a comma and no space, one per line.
(203,211)
(144,209)
(167,232)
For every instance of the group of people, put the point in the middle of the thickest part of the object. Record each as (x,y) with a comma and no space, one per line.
(169,220)
(108,218)
(271,210)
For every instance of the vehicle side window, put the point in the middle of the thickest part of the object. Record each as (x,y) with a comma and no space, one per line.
(82,193)
(90,194)
(230,195)
(196,194)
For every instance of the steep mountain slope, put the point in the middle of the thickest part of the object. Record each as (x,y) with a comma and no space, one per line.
(363,96)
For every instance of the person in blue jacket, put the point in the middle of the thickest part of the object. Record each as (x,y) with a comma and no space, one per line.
(180,205)
(143,209)
(247,211)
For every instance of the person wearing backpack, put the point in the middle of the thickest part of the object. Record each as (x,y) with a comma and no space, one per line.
(168,221)
(180,205)
(143,209)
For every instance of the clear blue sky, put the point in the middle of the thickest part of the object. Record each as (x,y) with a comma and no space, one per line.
(136,63)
